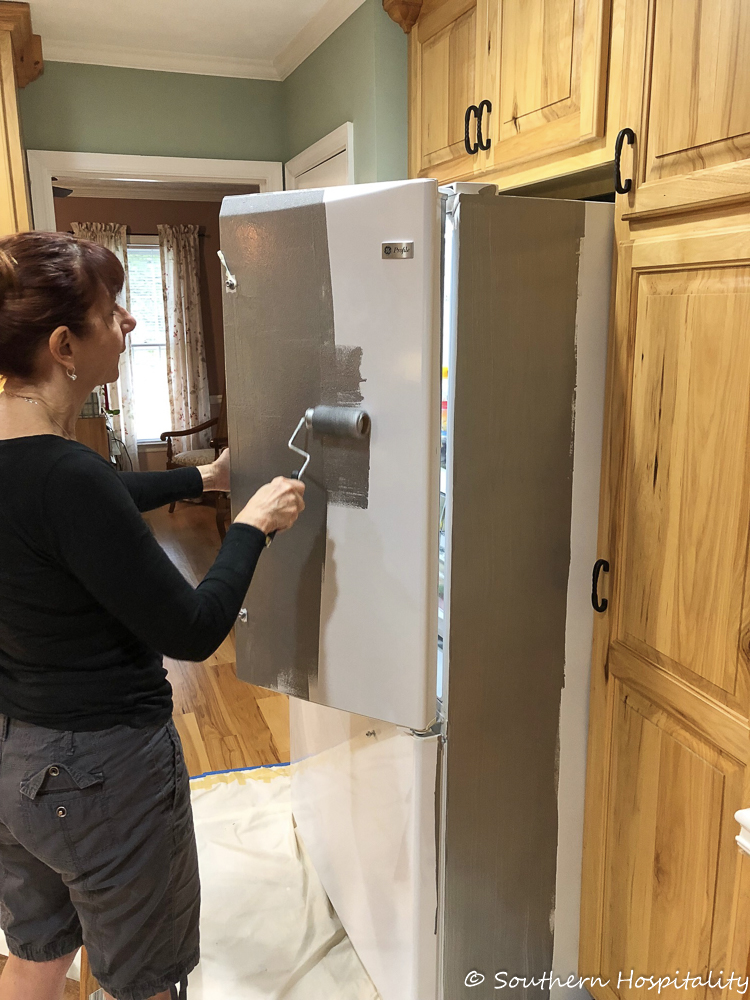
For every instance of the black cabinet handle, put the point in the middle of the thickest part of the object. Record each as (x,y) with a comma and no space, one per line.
(622,135)
(484,106)
(600,606)
(471,110)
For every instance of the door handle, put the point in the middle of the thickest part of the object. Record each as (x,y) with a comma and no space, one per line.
(622,135)
(484,106)
(598,605)
(471,148)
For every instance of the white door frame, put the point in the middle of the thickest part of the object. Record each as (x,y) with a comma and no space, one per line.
(341,140)
(46,164)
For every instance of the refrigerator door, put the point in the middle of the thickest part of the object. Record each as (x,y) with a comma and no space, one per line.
(337,302)
(363,796)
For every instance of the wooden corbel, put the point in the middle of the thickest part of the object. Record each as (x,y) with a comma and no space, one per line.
(27,47)
(404,12)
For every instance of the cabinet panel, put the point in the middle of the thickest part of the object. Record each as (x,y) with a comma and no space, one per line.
(694,140)
(664,887)
(537,56)
(685,527)
(666,834)
(442,84)
(552,81)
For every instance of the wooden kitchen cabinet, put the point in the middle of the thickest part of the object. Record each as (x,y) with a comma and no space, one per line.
(443,64)
(542,67)
(664,885)
(693,134)
(549,91)
(20,64)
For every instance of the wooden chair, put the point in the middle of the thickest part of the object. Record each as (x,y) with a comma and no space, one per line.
(203,456)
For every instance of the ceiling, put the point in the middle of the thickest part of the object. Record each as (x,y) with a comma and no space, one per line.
(258,39)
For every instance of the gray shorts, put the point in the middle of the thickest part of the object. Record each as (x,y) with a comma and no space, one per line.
(97,847)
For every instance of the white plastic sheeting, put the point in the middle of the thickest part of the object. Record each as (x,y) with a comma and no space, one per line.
(268,931)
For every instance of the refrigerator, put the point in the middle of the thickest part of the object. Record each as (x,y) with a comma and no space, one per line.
(430,613)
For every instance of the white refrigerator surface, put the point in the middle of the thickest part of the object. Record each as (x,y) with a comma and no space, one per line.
(363,797)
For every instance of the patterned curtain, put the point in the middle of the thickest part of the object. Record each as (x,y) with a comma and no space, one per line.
(114,237)
(186,352)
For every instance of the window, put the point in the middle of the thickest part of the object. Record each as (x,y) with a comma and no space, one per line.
(149,339)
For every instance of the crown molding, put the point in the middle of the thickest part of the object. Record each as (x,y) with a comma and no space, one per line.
(330,17)
(165,62)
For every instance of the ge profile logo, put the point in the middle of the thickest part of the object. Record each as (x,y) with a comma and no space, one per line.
(473,978)
(398,251)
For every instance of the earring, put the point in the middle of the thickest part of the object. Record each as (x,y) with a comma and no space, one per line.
(70,372)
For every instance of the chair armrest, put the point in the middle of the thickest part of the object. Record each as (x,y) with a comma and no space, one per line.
(191,430)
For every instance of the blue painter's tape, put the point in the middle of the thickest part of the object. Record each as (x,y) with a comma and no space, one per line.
(237,770)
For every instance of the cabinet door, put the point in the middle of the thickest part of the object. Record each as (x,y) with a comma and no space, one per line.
(443,50)
(14,208)
(694,141)
(550,88)
(664,886)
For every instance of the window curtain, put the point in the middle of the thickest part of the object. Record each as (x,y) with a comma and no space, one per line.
(114,237)
(186,352)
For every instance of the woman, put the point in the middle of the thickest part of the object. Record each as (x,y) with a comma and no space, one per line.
(96,833)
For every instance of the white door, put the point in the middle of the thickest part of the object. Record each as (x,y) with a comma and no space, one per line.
(343,609)
(330,173)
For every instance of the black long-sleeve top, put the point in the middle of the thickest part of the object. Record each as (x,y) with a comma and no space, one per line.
(89,601)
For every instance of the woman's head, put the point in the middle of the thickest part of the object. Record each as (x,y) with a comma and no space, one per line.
(58,310)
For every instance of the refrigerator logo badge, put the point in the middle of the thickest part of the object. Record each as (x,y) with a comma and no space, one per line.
(398,251)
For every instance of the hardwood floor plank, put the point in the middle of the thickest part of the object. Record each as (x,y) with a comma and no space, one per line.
(275,710)
(196,755)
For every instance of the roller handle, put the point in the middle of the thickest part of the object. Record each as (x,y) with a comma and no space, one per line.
(270,537)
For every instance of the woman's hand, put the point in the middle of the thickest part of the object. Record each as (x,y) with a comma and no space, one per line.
(275,507)
(216,475)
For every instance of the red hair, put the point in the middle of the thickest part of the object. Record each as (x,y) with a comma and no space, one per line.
(48,280)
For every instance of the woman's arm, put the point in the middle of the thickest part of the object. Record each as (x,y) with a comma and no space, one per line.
(96,529)
(150,490)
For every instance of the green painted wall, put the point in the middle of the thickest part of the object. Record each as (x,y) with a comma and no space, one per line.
(104,109)
(358,74)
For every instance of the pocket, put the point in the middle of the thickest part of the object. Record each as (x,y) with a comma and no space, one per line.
(58,778)
(67,818)
(179,768)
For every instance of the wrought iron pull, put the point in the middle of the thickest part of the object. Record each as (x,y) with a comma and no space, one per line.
(471,149)
(599,605)
(484,106)
(622,135)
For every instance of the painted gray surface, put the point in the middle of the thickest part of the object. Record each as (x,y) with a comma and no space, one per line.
(282,358)
(346,461)
(512,481)
(278,331)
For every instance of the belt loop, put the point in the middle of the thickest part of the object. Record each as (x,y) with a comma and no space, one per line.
(4,725)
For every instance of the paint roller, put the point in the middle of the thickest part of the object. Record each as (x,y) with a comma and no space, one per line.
(333,421)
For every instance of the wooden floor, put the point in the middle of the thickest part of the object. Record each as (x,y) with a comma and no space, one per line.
(223,723)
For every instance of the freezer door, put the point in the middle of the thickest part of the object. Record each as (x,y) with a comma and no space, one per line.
(337,302)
